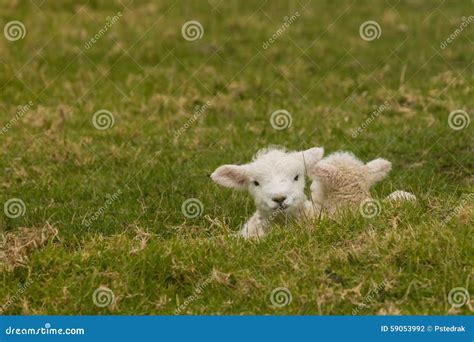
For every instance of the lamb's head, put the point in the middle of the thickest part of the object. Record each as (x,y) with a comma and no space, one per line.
(275,178)
(343,175)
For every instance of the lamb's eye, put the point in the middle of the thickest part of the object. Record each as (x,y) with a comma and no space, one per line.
(256,183)
(296,177)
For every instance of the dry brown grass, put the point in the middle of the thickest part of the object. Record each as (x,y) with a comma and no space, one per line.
(17,245)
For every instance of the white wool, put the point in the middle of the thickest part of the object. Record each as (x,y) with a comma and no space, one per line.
(275,178)
(342,181)
(399,195)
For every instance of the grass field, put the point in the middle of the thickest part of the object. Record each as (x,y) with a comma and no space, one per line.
(93,220)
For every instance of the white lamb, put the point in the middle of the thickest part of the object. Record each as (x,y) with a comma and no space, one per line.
(276,180)
(341,181)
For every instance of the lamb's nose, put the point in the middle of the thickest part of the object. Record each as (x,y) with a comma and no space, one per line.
(279,199)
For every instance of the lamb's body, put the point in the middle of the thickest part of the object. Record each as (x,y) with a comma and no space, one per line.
(339,183)
(275,179)
(342,182)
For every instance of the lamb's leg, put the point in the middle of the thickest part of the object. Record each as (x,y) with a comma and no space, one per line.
(255,227)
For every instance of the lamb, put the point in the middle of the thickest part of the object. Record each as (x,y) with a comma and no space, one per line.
(341,181)
(275,178)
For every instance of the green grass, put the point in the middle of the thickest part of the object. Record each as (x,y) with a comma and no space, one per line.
(141,246)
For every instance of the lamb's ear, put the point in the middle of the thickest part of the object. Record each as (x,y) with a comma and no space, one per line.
(324,172)
(231,176)
(312,156)
(377,170)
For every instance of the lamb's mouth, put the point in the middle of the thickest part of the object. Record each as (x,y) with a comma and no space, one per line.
(282,207)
